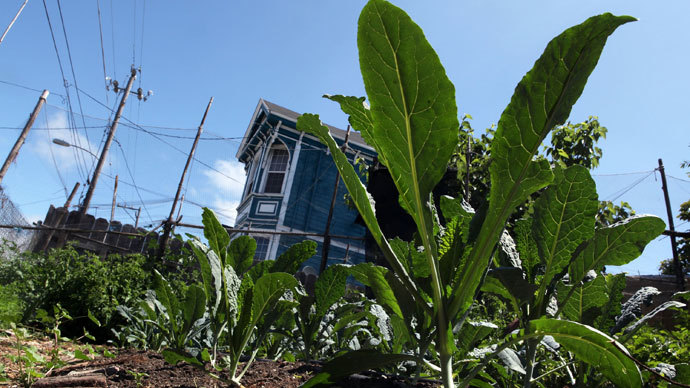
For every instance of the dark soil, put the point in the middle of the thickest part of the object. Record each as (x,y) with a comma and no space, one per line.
(133,368)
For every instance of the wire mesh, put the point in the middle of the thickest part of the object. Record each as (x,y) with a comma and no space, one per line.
(11,215)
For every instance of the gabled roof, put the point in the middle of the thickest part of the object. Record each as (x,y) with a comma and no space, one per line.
(284,113)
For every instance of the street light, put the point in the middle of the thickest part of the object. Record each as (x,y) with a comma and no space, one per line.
(63,143)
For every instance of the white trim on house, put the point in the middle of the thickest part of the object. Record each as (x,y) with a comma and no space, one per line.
(245,139)
(335,243)
(290,178)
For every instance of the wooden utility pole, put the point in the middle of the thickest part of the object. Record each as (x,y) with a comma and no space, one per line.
(92,186)
(327,232)
(71,196)
(168,223)
(677,267)
(22,137)
(13,20)
(112,208)
(57,222)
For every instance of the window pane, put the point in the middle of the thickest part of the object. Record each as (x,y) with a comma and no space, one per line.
(274,182)
(279,160)
(261,248)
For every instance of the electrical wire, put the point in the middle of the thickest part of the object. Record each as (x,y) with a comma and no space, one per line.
(74,75)
(626,173)
(52,155)
(112,38)
(131,176)
(65,83)
(678,179)
(624,190)
(100,32)
(137,126)
(29,88)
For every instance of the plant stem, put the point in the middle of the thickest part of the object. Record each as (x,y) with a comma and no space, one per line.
(531,354)
(447,370)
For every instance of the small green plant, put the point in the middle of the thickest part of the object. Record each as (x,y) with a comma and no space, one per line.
(27,358)
(138,377)
(412,123)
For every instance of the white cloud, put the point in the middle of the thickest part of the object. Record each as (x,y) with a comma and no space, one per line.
(229,178)
(227,184)
(65,157)
(225,210)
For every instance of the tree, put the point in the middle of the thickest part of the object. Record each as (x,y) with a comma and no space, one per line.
(571,144)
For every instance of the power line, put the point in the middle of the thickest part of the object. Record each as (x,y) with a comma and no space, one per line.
(112,37)
(74,75)
(678,179)
(625,173)
(100,32)
(624,190)
(131,176)
(52,155)
(137,126)
(29,88)
(65,83)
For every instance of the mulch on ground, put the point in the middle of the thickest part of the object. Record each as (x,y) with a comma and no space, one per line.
(135,369)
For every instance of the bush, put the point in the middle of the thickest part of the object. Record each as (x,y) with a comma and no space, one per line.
(78,282)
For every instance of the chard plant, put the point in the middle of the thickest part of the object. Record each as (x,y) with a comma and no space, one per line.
(239,301)
(411,121)
(328,321)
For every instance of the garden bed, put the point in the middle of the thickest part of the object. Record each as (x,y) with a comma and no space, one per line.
(136,368)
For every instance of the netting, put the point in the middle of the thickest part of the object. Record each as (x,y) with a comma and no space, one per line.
(10,215)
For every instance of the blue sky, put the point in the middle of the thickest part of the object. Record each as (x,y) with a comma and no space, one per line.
(291,53)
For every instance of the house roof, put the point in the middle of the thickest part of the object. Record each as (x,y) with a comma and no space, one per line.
(276,109)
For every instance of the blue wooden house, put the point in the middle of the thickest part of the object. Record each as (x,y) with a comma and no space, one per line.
(290,183)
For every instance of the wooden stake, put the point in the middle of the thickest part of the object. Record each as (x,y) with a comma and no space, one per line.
(168,223)
(327,233)
(22,136)
(112,209)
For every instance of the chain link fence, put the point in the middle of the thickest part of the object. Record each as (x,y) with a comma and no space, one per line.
(11,215)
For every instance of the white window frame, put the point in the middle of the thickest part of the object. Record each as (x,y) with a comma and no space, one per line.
(277,145)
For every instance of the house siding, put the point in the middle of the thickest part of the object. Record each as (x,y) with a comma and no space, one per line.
(311,178)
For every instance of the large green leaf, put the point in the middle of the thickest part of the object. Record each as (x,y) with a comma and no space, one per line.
(267,290)
(616,245)
(526,247)
(513,280)
(563,219)
(329,288)
(211,273)
(312,124)
(592,347)
(472,333)
(359,117)
(353,362)
(215,233)
(241,253)
(374,276)
(194,307)
(542,100)
(585,300)
(297,254)
(413,109)
(615,284)
(167,298)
